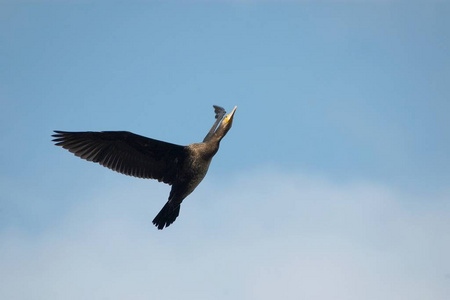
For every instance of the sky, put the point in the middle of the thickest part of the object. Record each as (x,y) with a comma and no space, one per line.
(332,184)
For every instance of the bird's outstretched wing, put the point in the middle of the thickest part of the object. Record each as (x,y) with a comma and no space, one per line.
(219,111)
(126,153)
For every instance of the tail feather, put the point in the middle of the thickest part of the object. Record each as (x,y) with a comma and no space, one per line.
(167,215)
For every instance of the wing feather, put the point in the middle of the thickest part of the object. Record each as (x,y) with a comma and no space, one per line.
(126,153)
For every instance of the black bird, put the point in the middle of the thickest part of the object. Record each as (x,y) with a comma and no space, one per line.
(182,167)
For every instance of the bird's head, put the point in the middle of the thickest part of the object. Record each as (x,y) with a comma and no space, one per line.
(225,125)
(228,120)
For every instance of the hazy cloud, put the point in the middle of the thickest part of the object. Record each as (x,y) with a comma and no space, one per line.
(263,235)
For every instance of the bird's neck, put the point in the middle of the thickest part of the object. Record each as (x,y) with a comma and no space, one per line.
(204,150)
(212,146)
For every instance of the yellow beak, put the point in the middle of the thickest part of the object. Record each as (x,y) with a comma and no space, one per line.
(229,117)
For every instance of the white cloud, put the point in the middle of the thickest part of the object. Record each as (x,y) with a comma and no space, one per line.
(263,235)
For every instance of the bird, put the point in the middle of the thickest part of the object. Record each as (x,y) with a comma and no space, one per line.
(182,167)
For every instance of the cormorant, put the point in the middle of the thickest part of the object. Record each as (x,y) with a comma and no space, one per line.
(182,167)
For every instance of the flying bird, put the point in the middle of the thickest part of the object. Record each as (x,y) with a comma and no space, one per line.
(182,167)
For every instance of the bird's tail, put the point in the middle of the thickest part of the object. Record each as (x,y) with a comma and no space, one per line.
(167,215)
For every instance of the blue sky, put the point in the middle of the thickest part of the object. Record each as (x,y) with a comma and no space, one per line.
(332,183)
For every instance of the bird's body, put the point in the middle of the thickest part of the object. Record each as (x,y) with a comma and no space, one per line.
(183,167)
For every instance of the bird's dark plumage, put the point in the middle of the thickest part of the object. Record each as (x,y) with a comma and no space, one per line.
(183,167)
(126,153)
